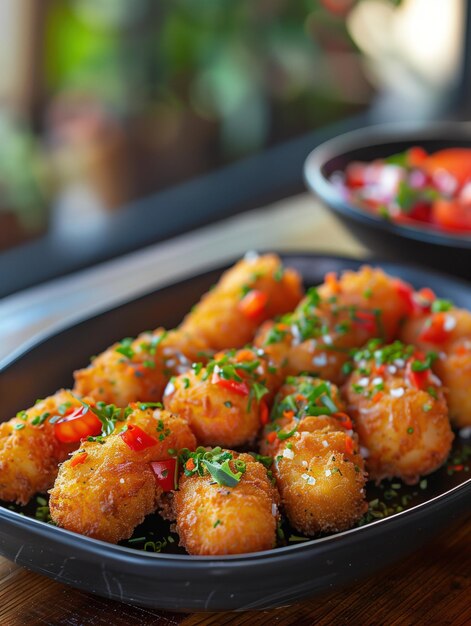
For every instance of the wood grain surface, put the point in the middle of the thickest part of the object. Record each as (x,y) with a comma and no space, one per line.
(432,586)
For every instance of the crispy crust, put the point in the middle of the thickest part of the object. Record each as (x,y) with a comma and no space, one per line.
(217,318)
(29,454)
(213,519)
(403,440)
(111,492)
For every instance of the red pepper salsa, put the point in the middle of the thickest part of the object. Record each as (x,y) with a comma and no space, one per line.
(414,187)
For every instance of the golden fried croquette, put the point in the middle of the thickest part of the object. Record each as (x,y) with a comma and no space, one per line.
(225,403)
(138,369)
(331,320)
(214,518)
(369,290)
(30,451)
(437,330)
(107,487)
(254,290)
(320,477)
(318,468)
(301,396)
(400,412)
(449,333)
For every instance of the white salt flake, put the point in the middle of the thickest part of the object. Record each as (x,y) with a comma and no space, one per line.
(320,360)
(328,472)
(325,443)
(449,323)
(288,454)
(377,381)
(398,392)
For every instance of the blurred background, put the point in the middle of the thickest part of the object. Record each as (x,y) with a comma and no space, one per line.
(123,123)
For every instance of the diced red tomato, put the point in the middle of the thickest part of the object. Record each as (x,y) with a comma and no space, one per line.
(263,413)
(355,175)
(455,161)
(166,473)
(253,304)
(271,437)
(366,320)
(434,330)
(421,212)
(137,439)
(452,214)
(349,445)
(344,419)
(406,294)
(78,459)
(416,156)
(419,380)
(190,465)
(241,388)
(79,424)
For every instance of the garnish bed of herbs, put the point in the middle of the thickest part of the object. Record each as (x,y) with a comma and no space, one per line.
(155,534)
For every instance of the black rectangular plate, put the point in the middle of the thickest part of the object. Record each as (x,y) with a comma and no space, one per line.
(177,581)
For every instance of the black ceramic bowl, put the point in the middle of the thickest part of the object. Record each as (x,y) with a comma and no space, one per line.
(420,244)
(176,581)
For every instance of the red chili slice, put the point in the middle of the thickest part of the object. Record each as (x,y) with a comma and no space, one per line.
(406,294)
(349,445)
(79,424)
(239,387)
(78,459)
(434,330)
(366,320)
(166,473)
(137,439)
(419,380)
(253,304)
(344,419)
(263,413)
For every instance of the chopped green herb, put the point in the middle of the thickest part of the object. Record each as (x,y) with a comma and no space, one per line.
(441,306)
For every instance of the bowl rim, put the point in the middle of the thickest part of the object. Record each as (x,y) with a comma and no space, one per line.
(381,135)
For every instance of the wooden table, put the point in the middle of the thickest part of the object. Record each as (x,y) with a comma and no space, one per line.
(431,587)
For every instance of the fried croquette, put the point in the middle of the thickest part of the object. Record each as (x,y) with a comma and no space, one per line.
(215,518)
(448,332)
(138,369)
(400,412)
(319,473)
(318,468)
(30,451)
(108,486)
(257,288)
(331,320)
(225,402)
(369,290)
